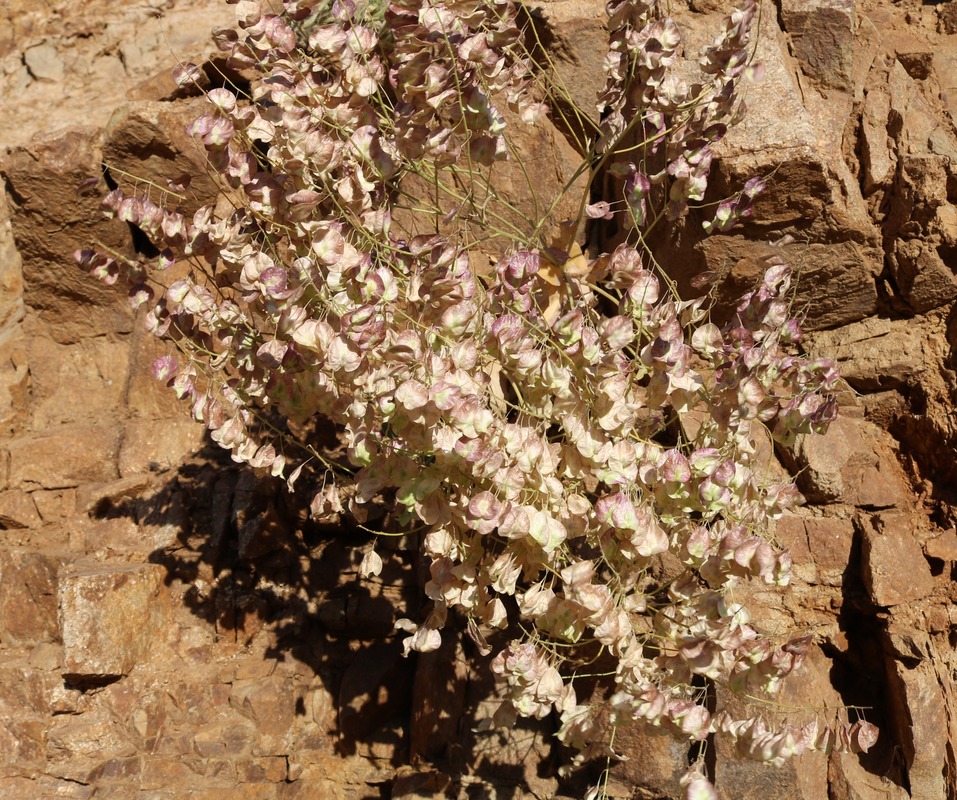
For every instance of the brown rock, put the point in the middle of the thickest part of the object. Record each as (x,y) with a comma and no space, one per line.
(372,696)
(893,567)
(919,717)
(81,382)
(17,510)
(803,778)
(82,742)
(822,35)
(11,272)
(878,158)
(92,497)
(28,592)
(271,704)
(108,618)
(852,462)
(875,353)
(146,144)
(50,221)
(791,533)
(905,643)
(849,780)
(915,55)
(526,189)
(943,547)
(820,547)
(913,121)
(148,398)
(22,745)
(438,700)
(830,540)
(947,16)
(836,282)
(921,275)
(945,65)
(412,784)
(575,37)
(55,504)
(70,456)
(656,760)
(157,445)
(44,63)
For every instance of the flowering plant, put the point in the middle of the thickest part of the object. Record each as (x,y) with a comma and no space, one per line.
(562,424)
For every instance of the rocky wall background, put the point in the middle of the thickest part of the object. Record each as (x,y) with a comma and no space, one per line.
(172,628)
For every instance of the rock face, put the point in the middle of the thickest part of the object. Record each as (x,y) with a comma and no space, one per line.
(170,629)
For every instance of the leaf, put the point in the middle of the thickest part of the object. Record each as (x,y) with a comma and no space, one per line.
(371,565)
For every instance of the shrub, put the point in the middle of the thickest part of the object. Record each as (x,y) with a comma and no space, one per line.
(559,426)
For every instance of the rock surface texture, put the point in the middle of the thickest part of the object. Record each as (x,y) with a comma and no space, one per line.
(169,628)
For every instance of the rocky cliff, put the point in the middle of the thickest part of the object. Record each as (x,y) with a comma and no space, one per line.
(171,627)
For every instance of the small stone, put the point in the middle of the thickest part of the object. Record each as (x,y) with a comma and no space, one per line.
(894,568)
(413,784)
(108,617)
(44,63)
(947,18)
(943,547)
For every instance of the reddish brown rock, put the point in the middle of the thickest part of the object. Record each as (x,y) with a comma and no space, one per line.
(943,547)
(830,540)
(875,353)
(822,33)
(853,462)
(51,221)
(919,716)
(68,457)
(893,567)
(109,617)
(17,509)
(28,596)
(147,144)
